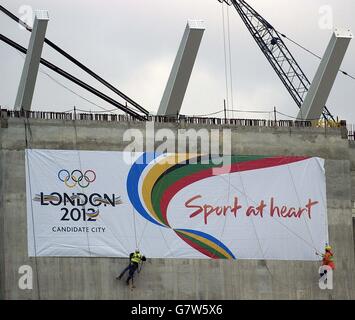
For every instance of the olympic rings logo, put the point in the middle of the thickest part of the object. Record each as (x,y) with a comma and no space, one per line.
(76,177)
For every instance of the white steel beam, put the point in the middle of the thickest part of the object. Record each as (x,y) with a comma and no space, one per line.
(324,79)
(176,86)
(30,69)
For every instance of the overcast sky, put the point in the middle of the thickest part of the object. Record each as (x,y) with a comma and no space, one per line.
(133,43)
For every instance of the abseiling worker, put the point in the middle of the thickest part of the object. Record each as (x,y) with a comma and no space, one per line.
(135,259)
(328,259)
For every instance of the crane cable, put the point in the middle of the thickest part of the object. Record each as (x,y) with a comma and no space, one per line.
(230,62)
(313,54)
(227,58)
(225,55)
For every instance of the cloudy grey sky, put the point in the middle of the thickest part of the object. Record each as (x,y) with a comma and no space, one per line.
(133,43)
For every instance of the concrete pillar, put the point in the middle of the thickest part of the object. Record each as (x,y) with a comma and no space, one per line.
(323,81)
(30,69)
(180,74)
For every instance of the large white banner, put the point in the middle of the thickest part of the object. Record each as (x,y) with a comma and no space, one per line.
(98,204)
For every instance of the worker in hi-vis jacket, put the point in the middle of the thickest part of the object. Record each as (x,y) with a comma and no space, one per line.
(135,259)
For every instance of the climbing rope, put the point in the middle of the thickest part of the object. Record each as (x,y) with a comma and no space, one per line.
(82,189)
(134,227)
(28,147)
(243,192)
(299,204)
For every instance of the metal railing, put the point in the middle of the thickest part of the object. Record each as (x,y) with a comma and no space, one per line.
(111,117)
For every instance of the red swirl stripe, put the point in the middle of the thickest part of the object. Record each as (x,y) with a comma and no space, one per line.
(172,190)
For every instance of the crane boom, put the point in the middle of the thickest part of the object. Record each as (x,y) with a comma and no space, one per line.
(276,52)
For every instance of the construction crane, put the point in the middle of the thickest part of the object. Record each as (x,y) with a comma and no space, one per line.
(276,52)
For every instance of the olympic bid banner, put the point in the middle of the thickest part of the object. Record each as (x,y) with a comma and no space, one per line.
(94,203)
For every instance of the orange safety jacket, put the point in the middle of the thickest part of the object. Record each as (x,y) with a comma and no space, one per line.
(328,259)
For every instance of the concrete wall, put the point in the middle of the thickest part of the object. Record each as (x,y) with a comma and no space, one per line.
(93,278)
(2,222)
(352,162)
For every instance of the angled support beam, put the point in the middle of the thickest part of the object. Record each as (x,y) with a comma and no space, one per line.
(324,79)
(175,90)
(30,69)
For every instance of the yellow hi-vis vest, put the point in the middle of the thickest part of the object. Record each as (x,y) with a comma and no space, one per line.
(137,257)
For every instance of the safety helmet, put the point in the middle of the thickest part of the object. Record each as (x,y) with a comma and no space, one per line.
(328,247)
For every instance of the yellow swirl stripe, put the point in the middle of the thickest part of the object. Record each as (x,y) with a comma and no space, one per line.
(153,175)
(207,242)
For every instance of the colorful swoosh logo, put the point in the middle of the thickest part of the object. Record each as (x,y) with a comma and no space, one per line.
(154,180)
